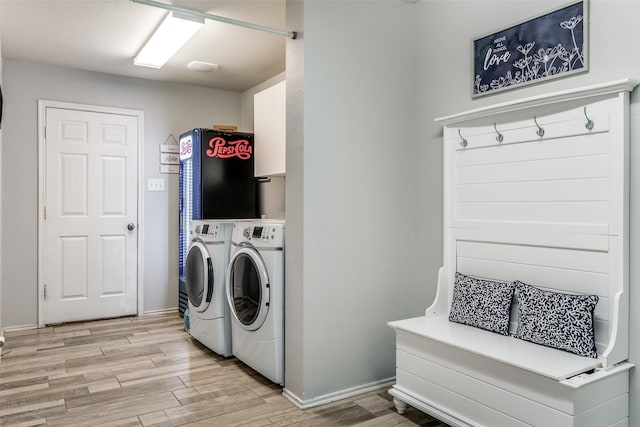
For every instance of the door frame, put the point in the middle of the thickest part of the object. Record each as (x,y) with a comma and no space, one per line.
(43,104)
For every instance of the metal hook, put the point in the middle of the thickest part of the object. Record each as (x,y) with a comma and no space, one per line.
(463,142)
(500,137)
(589,125)
(540,131)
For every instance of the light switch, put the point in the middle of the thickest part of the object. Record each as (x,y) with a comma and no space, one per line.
(155,185)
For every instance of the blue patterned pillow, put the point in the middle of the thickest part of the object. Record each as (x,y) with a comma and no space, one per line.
(558,320)
(481,303)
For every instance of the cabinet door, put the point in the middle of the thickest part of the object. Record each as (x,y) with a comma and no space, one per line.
(269,127)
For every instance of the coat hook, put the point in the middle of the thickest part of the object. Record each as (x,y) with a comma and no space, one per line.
(463,142)
(540,131)
(500,137)
(589,125)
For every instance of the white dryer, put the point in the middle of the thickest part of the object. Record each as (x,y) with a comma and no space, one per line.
(205,276)
(255,292)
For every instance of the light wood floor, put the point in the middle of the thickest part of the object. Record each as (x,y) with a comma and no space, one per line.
(145,371)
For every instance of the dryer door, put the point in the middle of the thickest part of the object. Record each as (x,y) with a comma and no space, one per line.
(199,276)
(248,288)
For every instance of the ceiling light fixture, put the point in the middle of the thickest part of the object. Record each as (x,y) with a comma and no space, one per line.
(169,37)
(202,66)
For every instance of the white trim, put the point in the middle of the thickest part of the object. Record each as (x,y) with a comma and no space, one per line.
(338,395)
(140,225)
(161,311)
(20,328)
(172,310)
(545,100)
(43,104)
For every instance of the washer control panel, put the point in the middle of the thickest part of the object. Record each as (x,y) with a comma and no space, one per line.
(208,230)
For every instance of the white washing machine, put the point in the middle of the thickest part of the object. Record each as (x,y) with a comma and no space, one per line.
(205,276)
(255,292)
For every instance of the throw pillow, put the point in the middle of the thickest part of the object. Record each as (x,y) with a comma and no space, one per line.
(558,320)
(481,303)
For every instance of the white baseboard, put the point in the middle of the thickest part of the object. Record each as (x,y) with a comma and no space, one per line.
(146,313)
(338,395)
(162,311)
(18,328)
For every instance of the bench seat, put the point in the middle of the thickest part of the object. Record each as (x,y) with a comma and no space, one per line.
(466,376)
(545,361)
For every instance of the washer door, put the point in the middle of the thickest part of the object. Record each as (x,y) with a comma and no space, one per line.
(199,276)
(248,288)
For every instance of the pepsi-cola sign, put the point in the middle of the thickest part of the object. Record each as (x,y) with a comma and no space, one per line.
(223,149)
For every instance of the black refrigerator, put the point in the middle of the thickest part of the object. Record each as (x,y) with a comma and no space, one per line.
(216,182)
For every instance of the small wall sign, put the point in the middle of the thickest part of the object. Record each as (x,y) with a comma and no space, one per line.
(170,156)
(169,148)
(170,169)
(169,159)
(550,45)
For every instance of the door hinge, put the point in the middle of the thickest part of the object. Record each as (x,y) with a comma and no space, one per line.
(45,212)
(45,291)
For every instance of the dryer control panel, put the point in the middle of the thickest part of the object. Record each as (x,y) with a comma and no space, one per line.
(264,234)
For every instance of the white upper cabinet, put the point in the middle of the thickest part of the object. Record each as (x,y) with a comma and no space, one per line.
(269,128)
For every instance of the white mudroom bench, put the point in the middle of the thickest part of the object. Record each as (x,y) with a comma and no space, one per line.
(535,190)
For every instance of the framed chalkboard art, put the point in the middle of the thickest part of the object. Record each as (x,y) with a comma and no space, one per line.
(547,46)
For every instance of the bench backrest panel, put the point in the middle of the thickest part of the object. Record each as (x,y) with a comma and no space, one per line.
(585,272)
(549,209)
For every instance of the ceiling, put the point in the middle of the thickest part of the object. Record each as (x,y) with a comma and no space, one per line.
(105,35)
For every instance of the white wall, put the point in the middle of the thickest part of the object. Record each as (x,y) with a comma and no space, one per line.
(444,30)
(168,109)
(350,141)
(294,205)
(1,327)
(634,256)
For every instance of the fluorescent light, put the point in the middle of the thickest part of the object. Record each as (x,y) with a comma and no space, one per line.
(171,35)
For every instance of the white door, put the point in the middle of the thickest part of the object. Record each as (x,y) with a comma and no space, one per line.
(89,231)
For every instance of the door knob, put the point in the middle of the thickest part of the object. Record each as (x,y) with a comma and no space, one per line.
(131,226)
